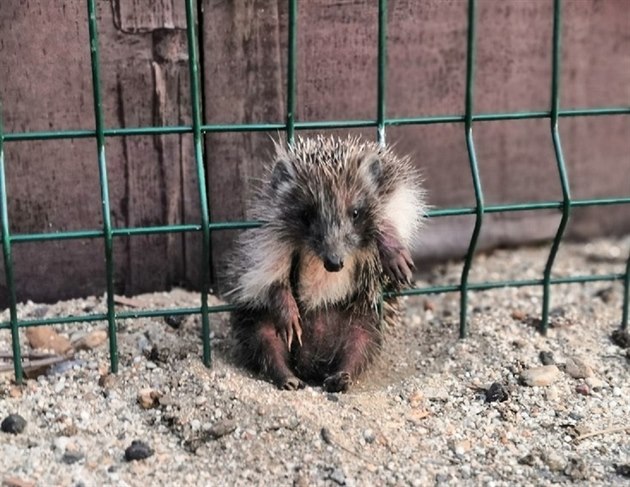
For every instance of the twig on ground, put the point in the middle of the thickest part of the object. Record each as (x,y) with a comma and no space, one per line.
(614,429)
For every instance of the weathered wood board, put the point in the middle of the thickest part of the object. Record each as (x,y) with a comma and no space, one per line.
(45,84)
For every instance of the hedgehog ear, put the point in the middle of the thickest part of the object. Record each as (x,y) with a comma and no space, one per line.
(372,169)
(282,173)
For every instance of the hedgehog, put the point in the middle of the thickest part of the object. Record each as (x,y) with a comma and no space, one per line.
(338,218)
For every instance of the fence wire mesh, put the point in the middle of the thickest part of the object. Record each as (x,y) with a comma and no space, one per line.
(108,233)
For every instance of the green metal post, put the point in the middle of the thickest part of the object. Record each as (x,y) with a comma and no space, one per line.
(195,96)
(562,171)
(8,263)
(102,169)
(292,71)
(474,168)
(381,91)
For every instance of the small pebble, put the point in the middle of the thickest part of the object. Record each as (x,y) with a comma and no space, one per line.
(222,428)
(578,368)
(461,447)
(595,383)
(582,389)
(519,315)
(621,338)
(553,461)
(369,436)
(138,450)
(497,392)
(576,469)
(528,459)
(107,381)
(61,443)
(540,376)
(70,457)
(45,337)
(13,423)
(338,476)
(148,398)
(546,358)
(90,341)
(16,482)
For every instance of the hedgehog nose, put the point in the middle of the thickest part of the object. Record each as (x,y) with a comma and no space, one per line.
(333,263)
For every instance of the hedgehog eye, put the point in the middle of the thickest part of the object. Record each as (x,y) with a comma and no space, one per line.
(356,213)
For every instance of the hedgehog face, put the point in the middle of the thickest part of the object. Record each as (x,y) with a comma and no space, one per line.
(327,206)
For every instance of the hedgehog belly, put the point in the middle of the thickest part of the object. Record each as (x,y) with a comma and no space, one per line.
(330,338)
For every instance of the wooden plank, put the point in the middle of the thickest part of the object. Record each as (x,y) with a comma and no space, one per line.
(138,16)
(243,83)
(426,72)
(53,185)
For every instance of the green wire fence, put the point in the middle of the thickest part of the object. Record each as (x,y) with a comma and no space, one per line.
(109,234)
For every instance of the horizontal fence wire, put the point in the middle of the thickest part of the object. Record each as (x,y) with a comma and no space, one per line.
(314,125)
(206,226)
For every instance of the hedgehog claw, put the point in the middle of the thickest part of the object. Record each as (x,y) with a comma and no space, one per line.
(298,331)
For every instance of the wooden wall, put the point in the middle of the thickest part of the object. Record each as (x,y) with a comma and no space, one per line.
(45,84)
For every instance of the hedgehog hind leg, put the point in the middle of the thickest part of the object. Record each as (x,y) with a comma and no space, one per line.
(358,351)
(267,353)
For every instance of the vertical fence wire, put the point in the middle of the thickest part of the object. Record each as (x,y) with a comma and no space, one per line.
(474,168)
(562,170)
(102,169)
(193,66)
(8,263)
(381,95)
(626,298)
(381,89)
(291,71)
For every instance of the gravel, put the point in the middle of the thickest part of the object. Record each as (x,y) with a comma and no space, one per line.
(419,417)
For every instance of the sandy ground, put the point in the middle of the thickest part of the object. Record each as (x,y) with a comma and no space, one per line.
(419,417)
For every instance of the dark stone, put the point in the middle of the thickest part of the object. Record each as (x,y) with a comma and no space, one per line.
(528,459)
(557,313)
(13,423)
(174,321)
(332,397)
(497,392)
(605,294)
(138,450)
(158,355)
(623,470)
(72,457)
(621,338)
(547,358)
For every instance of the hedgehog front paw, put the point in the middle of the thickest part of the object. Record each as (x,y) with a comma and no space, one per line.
(398,265)
(289,323)
(339,382)
(290,326)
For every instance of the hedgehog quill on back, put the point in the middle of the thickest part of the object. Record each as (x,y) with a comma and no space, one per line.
(338,218)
